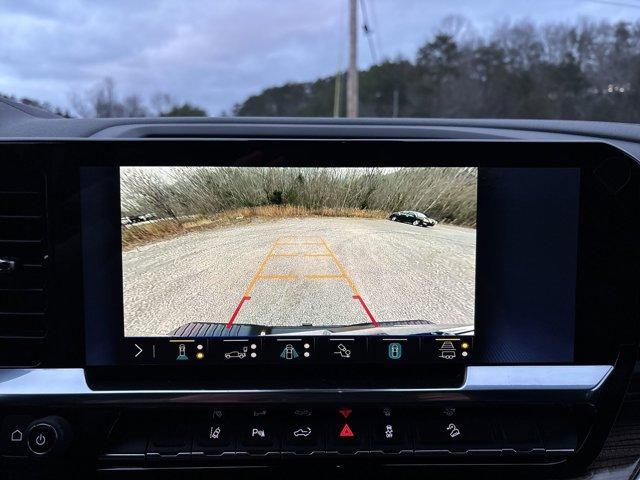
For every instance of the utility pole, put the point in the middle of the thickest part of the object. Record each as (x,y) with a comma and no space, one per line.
(352,73)
(396,103)
(337,88)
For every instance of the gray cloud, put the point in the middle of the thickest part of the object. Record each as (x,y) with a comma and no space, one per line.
(216,53)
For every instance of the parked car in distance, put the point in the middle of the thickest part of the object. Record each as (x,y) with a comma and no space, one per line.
(130,220)
(418,219)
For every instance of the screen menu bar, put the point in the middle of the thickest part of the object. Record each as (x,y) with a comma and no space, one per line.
(297,350)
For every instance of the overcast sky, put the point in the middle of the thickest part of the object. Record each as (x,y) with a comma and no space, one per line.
(216,53)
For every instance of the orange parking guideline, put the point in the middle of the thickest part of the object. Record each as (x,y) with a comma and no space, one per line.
(261,268)
(278,277)
(323,277)
(342,270)
(301,243)
(329,253)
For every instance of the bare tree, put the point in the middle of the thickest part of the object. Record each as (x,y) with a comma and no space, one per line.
(99,101)
(133,106)
(161,102)
(146,191)
(447,194)
(103,101)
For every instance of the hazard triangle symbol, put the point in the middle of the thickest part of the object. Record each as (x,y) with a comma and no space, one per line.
(346,431)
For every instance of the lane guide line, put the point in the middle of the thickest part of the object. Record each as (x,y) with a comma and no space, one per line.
(329,253)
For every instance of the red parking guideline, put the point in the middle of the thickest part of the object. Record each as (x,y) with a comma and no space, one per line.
(237,310)
(366,309)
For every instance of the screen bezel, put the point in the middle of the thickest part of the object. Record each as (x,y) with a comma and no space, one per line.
(593,343)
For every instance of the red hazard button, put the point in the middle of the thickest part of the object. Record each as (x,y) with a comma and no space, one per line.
(348,436)
(346,432)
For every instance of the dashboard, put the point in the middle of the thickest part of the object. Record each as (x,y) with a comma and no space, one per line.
(450,297)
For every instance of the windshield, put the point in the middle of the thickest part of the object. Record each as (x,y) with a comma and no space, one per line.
(550,59)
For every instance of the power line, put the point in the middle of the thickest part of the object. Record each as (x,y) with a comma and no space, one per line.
(367,31)
(376,27)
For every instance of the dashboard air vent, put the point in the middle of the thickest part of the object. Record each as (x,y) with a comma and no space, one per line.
(23,257)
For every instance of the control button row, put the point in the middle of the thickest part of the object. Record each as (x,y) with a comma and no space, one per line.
(289,350)
(343,431)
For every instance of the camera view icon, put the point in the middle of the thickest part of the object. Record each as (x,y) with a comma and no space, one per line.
(447,350)
(342,351)
(239,354)
(182,352)
(394,351)
(289,352)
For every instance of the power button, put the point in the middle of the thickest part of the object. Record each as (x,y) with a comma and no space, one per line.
(41,439)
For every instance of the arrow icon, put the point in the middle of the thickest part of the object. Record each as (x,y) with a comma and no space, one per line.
(345,412)
(139,350)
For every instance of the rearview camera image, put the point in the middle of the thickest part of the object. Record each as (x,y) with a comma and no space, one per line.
(319,251)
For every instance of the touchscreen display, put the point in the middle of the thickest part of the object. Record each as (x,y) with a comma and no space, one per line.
(308,251)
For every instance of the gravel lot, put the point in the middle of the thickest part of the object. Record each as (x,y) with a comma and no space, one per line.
(402,272)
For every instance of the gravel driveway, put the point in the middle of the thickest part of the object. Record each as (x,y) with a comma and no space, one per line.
(302,271)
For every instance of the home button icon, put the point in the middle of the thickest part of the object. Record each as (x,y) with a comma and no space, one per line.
(16,436)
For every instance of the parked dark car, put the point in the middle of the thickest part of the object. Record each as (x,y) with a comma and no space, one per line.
(414,218)
(147,217)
